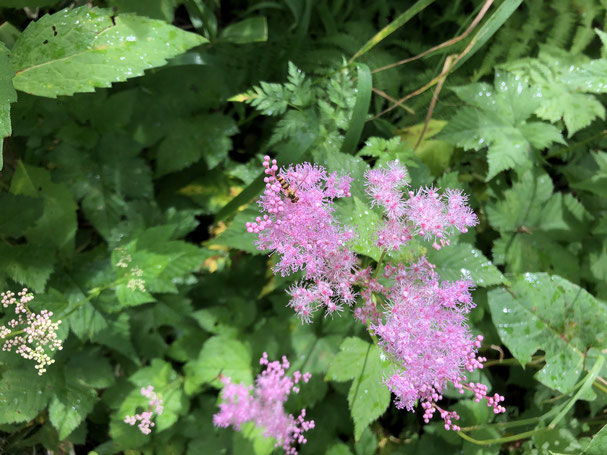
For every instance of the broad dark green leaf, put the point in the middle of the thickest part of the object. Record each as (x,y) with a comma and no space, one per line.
(548,313)
(55,55)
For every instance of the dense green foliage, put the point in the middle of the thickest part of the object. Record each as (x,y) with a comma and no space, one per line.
(133,138)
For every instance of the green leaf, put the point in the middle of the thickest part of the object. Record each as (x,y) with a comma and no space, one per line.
(70,404)
(18,214)
(537,227)
(598,445)
(597,181)
(497,119)
(488,29)
(397,23)
(548,313)
(205,136)
(57,225)
(463,259)
(153,263)
(356,214)
(9,34)
(557,75)
(29,265)
(360,111)
(23,394)
(7,96)
(219,355)
(368,396)
(56,54)
(250,30)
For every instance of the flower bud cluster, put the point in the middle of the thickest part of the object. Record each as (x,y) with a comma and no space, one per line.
(263,404)
(145,418)
(29,333)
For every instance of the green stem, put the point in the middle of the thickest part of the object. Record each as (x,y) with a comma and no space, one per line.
(93,293)
(512,423)
(515,437)
(378,266)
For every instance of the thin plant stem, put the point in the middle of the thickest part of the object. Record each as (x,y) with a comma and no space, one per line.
(447,43)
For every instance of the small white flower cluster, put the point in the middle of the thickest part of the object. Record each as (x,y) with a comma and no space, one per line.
(37,333)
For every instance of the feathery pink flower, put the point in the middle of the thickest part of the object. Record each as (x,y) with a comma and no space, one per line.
(425,333)
(263,404)
(305,235)
(425,212)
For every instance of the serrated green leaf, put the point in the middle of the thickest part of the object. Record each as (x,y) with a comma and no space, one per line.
(205,136)
(70,404)
(57,225)
(219,355)
(463,259)
(49,60)
(562,79)
(7,96)
(598,445)
(543,312)
(23,394)
(368,396)
(29,265)
(497,120)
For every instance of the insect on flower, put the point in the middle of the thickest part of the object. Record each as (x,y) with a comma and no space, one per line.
(290,192)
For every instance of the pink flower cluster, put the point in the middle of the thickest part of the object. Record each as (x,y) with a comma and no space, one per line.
(420,322)
(306,236)
(29,333)
(263,404)
(145,418)
(425,212)
(424,332)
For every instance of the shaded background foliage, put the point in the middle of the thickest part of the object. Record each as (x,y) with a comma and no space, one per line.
(146,169)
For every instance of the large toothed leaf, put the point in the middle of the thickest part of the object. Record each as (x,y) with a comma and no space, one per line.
(368,397)
(548,313)
(77,50)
